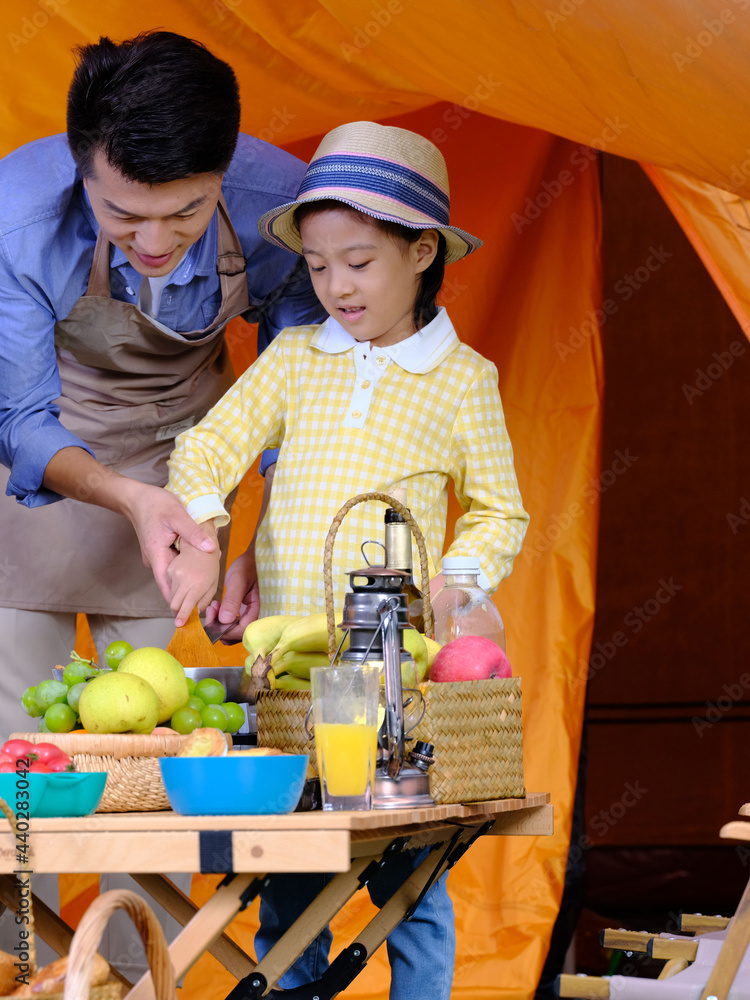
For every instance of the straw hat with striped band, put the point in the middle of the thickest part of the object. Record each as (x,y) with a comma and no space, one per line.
(386,172)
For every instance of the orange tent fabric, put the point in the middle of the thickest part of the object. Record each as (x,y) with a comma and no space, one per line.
(519,99)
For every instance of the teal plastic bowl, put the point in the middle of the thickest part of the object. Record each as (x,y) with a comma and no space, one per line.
(245,785)
(64,794)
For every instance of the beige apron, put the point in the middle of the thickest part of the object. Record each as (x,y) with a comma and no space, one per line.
(130,385)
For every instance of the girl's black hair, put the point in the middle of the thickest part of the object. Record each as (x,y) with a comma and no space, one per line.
(160,107)
(431,280)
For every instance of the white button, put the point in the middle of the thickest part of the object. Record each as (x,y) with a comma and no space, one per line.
(366,384)
(356,414)
(381,359)
(129,290)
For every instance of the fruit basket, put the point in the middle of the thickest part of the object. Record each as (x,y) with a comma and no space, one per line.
(134,782)
(475,726)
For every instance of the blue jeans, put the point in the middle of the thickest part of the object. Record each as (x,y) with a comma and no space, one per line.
(421,950)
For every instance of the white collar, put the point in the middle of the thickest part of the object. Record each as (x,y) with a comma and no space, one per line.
(418,354)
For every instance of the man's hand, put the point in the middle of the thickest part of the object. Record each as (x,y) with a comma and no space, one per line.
(241,597)
(157,516)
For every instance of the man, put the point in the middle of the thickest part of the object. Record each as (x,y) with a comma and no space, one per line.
(124,249)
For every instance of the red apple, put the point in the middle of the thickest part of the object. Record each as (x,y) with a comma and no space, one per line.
(470,658)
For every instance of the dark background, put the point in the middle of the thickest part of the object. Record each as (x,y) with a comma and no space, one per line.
(668,709)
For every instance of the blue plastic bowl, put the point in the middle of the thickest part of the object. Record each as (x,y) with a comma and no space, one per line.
(245,785)
(66,793)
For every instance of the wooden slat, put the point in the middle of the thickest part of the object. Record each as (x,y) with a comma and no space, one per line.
(111,744)
(183,909)
(622,940)
(673,948)
(736,830)
(697,923)
(585,987)
(143,851)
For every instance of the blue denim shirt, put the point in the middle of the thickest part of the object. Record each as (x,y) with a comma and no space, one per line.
(47,238)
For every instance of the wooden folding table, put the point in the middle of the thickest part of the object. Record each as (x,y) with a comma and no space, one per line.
(249,849)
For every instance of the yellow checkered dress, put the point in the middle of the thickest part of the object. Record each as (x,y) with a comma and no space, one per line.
(349,420)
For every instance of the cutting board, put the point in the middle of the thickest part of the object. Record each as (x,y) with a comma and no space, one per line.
(117,745)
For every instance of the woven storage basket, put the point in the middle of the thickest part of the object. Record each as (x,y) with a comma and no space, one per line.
(134,784)
(281,722)
(476,729)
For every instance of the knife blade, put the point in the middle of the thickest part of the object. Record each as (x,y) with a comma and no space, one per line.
(217,629)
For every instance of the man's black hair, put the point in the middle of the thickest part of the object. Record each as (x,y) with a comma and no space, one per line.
(160,107)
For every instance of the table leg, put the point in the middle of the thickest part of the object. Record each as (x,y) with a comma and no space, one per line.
(201,932)
(183,909)
(309,924)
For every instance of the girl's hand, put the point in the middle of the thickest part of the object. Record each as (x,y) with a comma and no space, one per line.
(193,577)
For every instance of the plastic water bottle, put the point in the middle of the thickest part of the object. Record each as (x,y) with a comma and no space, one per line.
(461,607)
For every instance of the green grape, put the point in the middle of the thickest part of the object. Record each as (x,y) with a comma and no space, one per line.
(235,715)
(214,715)
(195,702)
(30,705)
(49,692)
(190,684)
(42,727)
(211,691)
(60,718)
(185,720)
(74,695)
(75,672)
(116,652)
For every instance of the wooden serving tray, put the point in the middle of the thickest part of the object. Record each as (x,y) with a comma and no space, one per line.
(118,745)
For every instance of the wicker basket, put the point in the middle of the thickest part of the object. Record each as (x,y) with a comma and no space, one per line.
(134,782)
(475,726)
(87,937)
(477,732)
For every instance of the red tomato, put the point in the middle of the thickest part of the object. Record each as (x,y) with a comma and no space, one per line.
(60,764)
(17,748)
(39,766)
(8,767)
(46,752)
(6,758)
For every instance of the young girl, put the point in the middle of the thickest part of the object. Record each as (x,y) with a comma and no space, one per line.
(382,395)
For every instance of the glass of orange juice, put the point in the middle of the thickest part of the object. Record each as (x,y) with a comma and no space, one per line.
(345,722)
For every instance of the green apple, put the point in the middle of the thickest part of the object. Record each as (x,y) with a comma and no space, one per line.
(163,672)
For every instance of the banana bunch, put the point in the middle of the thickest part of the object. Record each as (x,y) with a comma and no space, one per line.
(282,649)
